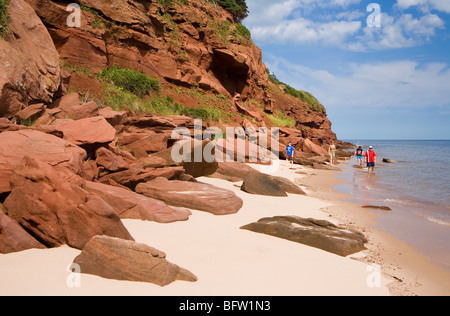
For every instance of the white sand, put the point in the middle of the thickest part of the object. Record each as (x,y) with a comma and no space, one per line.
(227,260)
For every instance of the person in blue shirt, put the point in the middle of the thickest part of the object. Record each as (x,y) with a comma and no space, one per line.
(290,153)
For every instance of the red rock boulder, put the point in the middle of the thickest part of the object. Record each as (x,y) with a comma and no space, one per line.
(57,212)
(193,195)
(131,205)
(119,259)
(88,131)
(13,238)
(48,148)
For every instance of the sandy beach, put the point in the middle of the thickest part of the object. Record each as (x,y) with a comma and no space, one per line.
(229,261)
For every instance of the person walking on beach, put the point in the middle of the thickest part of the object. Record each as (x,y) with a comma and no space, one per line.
(359,155)
(290,153)
(371,158)
(332,153)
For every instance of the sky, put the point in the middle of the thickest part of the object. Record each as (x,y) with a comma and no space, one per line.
(380,68)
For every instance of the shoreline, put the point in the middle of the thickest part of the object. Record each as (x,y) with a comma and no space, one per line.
(229,261)
(398,260)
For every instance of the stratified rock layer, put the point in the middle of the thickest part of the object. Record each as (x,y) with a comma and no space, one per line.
(119,259)
(312,232)
(193,195)
(57,212)
(29,62)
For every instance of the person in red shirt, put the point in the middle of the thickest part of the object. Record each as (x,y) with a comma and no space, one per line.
(370,159)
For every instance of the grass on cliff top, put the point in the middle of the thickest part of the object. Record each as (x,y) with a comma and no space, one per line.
(132,81)
(304,96)
(127,89)
(119,99)
(4,18)
(281,120)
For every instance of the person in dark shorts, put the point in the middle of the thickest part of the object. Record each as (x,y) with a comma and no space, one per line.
(371,159)
(290,153)
(359,155)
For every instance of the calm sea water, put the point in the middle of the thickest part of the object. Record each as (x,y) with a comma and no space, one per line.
(416,188)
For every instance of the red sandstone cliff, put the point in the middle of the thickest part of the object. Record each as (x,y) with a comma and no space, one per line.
(185,46)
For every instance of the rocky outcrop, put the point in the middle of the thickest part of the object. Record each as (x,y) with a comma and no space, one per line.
(195,162)
(179,43)
(312,232)
(88,131)
(58,212)
(186,45)
(13,238)
(193,195)
(287,185)
(29,62)
(119,259)
(261,184)
(132,177)
(130,205)
(63,155)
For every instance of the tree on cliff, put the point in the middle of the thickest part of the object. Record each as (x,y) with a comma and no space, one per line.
(238,8)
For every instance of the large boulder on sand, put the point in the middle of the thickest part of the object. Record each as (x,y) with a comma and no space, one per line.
(119,259)
(232,171)
(199,166)
(48,148)
(57,212)
(262,184)
(13,238)
(132,177)
(131,205)
(312,232)
(193,195)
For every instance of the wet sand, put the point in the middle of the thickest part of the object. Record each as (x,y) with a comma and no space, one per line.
(412,272)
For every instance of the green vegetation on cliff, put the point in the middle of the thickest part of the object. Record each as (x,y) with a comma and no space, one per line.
(3,18)
(238,8)
(131,80)
(281,120)
(299,94)
(128,89)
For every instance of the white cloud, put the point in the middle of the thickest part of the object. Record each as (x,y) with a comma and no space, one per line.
(377,86)
(405,31)
(306,31)
(335,23)
(425,5)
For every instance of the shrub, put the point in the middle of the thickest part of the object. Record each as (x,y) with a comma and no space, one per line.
(280,120)
(243,31)
(132,81)
(3,18)
(304,96)
(238,8)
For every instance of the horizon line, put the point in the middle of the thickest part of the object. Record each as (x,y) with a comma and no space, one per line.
(384,139)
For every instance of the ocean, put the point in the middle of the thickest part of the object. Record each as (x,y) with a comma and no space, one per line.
(416,188)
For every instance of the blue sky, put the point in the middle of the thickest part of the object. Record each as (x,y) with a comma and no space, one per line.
(386,82)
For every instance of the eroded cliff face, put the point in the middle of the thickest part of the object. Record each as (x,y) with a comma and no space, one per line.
(29,62)
(193,45)
(186,44)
